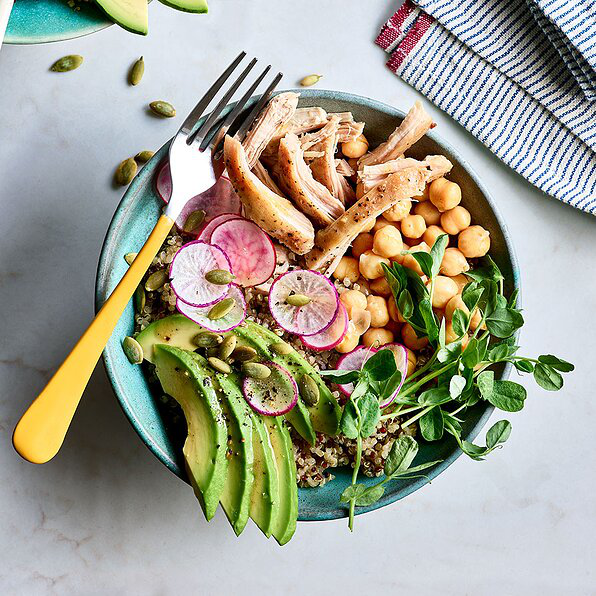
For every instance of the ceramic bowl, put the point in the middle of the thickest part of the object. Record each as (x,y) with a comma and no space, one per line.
(134,219)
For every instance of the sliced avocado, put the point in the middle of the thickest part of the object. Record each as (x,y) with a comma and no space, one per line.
(285,524)
(189,383)
(130,14)
(175,330)
(199,6)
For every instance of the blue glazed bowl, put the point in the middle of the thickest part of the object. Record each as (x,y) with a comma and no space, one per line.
(136,216)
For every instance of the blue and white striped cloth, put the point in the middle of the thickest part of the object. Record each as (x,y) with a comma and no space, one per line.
(519,75)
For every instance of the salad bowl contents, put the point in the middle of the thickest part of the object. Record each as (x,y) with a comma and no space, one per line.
(335,335)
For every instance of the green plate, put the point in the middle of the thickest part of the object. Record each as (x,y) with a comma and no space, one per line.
(136,216)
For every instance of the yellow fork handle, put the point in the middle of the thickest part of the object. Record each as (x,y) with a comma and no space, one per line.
(40,432)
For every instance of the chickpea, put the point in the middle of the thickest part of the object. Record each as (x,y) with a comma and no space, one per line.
(445,289)
(348,343)
(363,286)
(377,307)
(353,299)
(432,233)
(455,220)
(457,303)
(394,311)
(410,262)
(380,287)
(400,210)
(451,336)
(362,243)
(411,362)
(368,226)
(444,194)
(347,268)
(360,320)
(454,262)
(410,338)
(400,257)
(370,264)
(474,242)
(355,149)
(461,281)
(377,337)
(413,226)
(431,215)
(387,242)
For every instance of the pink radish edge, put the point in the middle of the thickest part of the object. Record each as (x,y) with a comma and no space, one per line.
(404,369)
(344,363)
(330,337)
(260,410)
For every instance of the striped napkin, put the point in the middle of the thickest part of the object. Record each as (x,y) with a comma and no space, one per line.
(519,75)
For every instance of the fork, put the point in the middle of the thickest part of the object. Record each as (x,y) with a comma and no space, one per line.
(40,432)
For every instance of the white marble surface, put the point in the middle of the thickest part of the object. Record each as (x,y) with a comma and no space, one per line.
(104,517)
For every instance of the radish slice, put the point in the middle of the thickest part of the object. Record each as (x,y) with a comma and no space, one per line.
(312,318)
(401,360)
(200,314)
(249,249)
(205,233)
(282,264)
(353,360)
(273,396)
(188,269)
(332,336)
(163,182)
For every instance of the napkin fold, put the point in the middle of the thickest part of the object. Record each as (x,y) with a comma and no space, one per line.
(518,75)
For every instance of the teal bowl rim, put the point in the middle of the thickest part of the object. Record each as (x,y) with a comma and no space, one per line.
(145,177)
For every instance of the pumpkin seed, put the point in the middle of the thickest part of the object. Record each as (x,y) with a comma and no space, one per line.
(228,345)
(254,370)
(220,277)
(297,300)
(129,257)
(133,350)
(137,71)
(194,220)
(309,390)
(281,348)
(244,353)
(221,309)
(156,280)
(163,108)
(219,365)
(144,156)
(206,339)
(126,171)
(310,80)
(67,63)
(214,351)
(139,299)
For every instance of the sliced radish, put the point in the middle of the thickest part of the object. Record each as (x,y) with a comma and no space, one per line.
(163,182)
(282,264)
(401,360)
(200,315)
(249,249)
(332,336)
(205,233)
(314,317)
(188,269)
(353,360)
(273,396)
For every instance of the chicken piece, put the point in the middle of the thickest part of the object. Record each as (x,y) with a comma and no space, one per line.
(315,138)
(261,172)
(276,113)
(310,155)
(343,168)
(349,129)
(305,120)
(413,127)
(310,196)
(270,211)
(370,176)
(332,242)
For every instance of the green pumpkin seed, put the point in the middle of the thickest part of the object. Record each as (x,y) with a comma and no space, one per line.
(67,63)
(206,339)
(244,353)
(194,220)
(137,71)
(310,80)
(219,365)
(309,390)
(126,171)
(129,257)
(221,309)
(144,156)
(254,370)
(228,345)
(220,277)
(139,299)
(297,300)
(281,348)
(133,350)
(156,280)
(163,108)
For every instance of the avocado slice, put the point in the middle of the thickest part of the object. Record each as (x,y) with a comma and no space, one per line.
(130,14)
(285,524)
(175,330)
(189,383)
(198,6)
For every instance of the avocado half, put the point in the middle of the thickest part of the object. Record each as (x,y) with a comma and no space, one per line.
(197,6)
(130,14)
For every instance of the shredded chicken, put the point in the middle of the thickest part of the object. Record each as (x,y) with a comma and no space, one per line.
(314,138)
(310,196)
(349,129)
(261,172)
(305,120)
(413,127)
(343,168)
(309,155)
(270,211)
